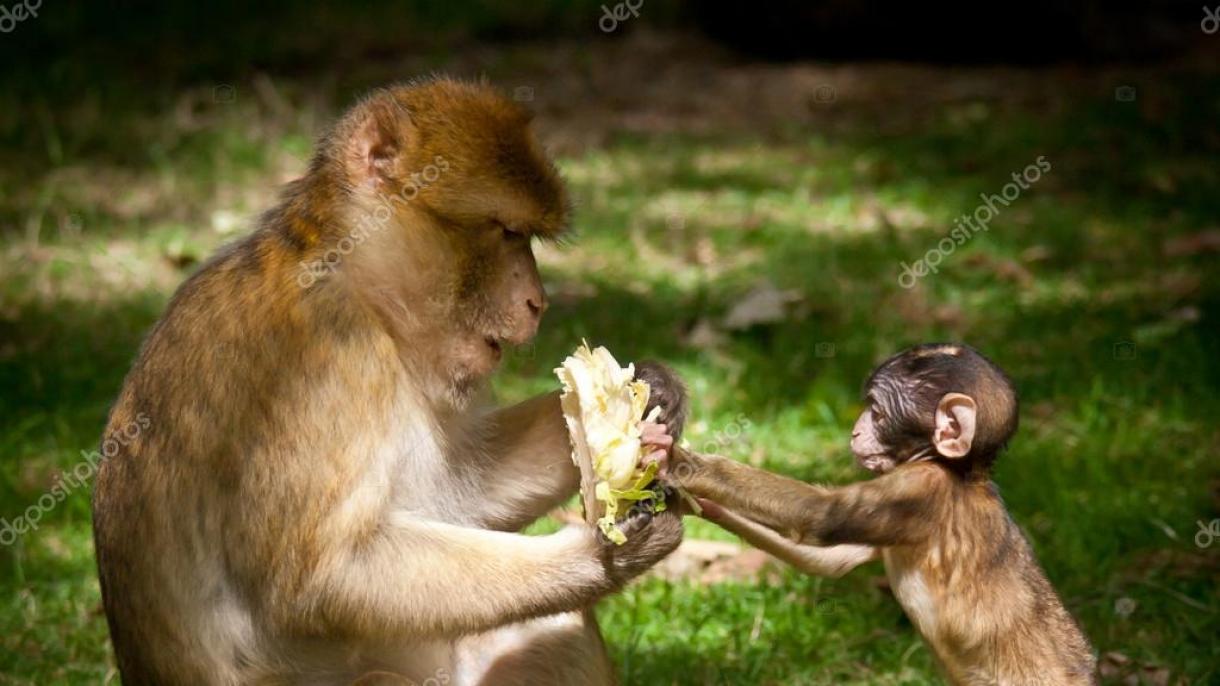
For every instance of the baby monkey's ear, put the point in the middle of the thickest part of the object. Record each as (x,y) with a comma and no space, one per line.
(954,432)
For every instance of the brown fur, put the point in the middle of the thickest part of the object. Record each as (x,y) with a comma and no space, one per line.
(993,619)
(957,562)
(667,392)
(320,493)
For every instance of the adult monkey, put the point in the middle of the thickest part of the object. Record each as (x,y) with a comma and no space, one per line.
(319,495)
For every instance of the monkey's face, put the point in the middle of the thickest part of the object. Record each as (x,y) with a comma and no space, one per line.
(893,428)
(467,185)
(498,297)
(934,401)
(870,452)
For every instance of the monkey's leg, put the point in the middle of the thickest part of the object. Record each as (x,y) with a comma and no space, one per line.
(562,650)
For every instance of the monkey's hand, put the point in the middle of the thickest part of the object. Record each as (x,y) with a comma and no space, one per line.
(657,440)
(665,390)
(650,537)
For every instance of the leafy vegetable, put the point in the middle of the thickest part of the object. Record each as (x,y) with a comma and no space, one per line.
(603,405)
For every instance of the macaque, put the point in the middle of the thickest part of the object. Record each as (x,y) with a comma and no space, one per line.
(322,494)
(937,417)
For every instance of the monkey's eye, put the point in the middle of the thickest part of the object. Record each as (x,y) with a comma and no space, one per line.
(878,415)
(507,233)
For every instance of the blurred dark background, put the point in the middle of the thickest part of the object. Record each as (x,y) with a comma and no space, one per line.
(179,42)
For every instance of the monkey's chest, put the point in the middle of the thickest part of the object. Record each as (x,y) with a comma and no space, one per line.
(912,592)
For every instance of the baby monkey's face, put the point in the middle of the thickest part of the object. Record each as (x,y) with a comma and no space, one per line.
(866,444)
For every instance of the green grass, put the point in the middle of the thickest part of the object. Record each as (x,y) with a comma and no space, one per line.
(106,203)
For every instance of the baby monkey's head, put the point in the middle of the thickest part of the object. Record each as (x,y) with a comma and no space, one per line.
(935,401)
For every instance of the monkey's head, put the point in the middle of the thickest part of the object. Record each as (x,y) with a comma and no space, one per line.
(935,401)
(448,187)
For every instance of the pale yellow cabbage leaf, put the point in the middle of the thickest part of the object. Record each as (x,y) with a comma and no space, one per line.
(603,405)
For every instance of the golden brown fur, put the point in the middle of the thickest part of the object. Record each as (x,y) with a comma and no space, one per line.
(320,493)
(956,561)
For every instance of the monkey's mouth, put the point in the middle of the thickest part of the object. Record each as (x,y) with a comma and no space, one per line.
(494,346)
(878,463)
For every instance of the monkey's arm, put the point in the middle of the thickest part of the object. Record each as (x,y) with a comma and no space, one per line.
(531,469)
(832,561)
(530,463)
(889,510)
(760,495)
(415,577)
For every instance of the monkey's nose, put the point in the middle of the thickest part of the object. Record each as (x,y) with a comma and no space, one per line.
(537,304)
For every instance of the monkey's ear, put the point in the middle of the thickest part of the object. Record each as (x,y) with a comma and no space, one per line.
(954,432)
(372,151)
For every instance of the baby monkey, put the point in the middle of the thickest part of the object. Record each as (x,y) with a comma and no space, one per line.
(937,417)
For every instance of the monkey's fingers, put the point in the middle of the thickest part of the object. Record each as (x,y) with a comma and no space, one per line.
(655,433)
(637,519)
(712,511)
(661,458)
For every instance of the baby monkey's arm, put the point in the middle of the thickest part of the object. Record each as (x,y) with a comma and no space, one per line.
(832,561)
(893,509)
(770,499)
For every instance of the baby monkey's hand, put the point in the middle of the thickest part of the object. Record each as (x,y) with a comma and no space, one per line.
(656,439)
(667,392)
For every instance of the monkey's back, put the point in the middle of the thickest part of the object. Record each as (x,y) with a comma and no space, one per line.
(978,596)
(166,527)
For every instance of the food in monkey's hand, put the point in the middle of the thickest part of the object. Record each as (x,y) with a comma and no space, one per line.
(603,405)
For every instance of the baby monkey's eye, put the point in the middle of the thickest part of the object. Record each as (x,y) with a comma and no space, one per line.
(878,415)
